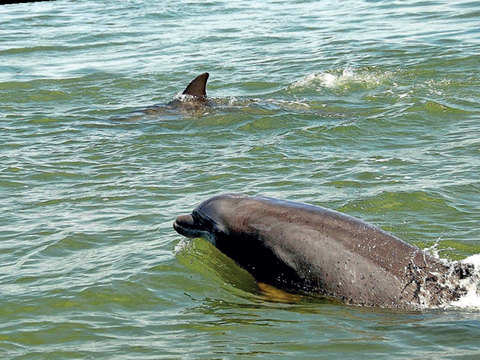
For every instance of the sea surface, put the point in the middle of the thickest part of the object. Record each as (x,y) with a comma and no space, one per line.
(371,108)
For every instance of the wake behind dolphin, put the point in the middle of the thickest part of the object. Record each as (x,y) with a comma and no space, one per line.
(318,251)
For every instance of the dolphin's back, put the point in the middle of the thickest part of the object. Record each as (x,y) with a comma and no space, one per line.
(314,249)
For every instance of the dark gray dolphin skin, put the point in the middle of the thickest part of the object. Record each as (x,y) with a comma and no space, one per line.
(198,87)
(196,93)
(318,251)
(195,97)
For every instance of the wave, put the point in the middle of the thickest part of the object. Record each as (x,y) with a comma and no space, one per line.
(342,78)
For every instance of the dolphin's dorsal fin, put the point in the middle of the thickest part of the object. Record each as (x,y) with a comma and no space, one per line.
(198,86)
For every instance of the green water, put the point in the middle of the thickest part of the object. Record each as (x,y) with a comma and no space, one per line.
(367,107)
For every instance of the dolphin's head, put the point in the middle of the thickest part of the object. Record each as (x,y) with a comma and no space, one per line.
(209,219)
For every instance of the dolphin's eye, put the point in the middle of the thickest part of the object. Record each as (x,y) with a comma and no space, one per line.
(204,221)
(199,220)
(196,218)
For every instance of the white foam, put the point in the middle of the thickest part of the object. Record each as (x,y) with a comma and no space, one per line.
(471,300)
(345,77)
(181,246)
(329,80)
(324,79)
(294,104)
(474,259)
(185,97)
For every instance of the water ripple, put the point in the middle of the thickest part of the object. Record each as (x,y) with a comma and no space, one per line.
(314,102)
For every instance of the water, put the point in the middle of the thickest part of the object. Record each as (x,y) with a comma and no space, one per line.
(369,108)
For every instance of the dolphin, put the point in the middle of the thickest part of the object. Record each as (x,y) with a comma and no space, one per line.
(317,251)
(198,87)
(194,97)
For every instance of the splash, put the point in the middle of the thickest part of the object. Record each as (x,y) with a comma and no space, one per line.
(342,79)
(185,98)
(471,300)
(181,246)
(470,283)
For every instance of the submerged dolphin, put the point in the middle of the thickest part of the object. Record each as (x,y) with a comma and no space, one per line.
(314,250)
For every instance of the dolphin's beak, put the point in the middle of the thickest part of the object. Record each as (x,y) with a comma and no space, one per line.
(185,225)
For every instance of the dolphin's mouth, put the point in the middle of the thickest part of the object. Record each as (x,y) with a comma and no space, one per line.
(192,226)
(185,225)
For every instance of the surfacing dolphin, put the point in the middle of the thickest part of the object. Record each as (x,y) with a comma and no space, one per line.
(318,251)
(195,92)
(194,97)
(198,87)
